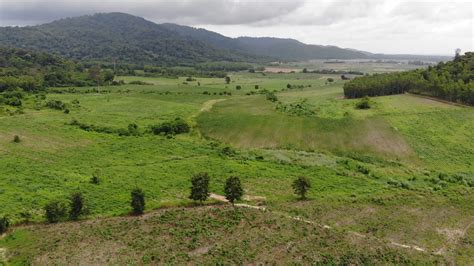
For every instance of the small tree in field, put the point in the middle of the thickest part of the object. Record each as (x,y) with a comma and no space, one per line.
(77,207)
(55,211)
(227,79)
(233,189)
(138,201)
(200,187)
(301,186)
(4,224)
(16,139)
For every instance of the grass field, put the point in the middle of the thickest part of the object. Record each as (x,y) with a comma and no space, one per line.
(399,172)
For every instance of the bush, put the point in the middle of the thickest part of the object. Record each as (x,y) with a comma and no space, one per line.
(177,126)
(238,87)
(200,187)
(4,224)
(301,186)
(16,139)
(95,179)
(233,189)
(257,87)
(272,97)
(139,82)
(56,104)
(55,211)
(13,101)
(77,207)
(138,201)
(330,80)
(364,103)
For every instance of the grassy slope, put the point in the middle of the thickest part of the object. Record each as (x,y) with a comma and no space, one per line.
(54,159)
(207,235)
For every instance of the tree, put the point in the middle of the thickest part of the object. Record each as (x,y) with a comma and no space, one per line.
(200,187)
(4,224)
(233,189)
(138,201)
(16,139)
(55,211)
(256,87)
(77,207)
(95,75)
(108,76)
(305,70)
(301,186)
(227,79)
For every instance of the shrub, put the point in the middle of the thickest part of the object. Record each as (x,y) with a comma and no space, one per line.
(272,97)
(16,139)
(66,111)
(257,87)
(138,201)
(233,189)
(200,187)
(227,79)
(77,207)
(4,224)
(301,186)
(95,179)
(364,103)
(330,80)
(288,86)
(13,101)
(55,211)
(56,104)
(238,87)
(177,126)
(139,82)
(133,129)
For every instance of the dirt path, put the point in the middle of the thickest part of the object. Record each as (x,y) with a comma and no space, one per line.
(296,218)
(207,106)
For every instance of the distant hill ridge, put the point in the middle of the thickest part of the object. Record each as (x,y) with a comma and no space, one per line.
(131,39)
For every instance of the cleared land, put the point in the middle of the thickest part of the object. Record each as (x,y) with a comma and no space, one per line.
(399,172)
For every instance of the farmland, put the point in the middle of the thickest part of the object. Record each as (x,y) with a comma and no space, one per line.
(399,172)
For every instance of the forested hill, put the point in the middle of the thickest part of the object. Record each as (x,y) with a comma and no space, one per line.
(130,39)
(276,48)
(452,81)
(105,37)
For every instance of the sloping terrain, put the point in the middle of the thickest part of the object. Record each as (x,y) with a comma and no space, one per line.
(126,38)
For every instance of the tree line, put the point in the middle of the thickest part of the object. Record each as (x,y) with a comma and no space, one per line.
(76,206)
(451,81)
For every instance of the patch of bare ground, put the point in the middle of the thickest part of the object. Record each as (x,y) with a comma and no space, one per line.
(281,69)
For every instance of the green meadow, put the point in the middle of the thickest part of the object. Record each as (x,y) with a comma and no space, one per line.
(399,172)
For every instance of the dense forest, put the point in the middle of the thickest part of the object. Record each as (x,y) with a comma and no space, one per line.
(34,71)
(452,81)
(129,39)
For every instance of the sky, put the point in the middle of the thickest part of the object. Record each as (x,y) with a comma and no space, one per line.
(379,26)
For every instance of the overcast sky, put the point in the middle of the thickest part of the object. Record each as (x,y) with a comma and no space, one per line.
(387,26)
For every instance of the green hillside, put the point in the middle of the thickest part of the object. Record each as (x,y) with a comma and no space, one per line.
(389,184)
(125,38)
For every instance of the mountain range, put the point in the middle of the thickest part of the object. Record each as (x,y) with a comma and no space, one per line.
(126,38)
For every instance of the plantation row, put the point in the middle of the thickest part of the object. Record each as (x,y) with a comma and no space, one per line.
(452,81)
(76,207)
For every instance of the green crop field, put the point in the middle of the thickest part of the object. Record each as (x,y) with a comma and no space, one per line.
(395,181)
